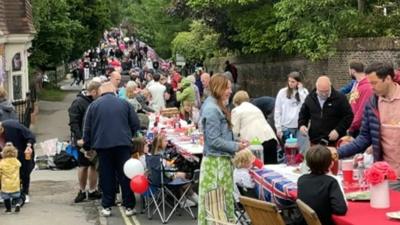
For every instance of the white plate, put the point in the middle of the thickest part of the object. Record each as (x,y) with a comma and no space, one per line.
(358,196)
(393,215)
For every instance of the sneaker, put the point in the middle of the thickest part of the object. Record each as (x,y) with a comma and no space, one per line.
(8,211)
(27,199)
(94,195)
(79,198)
(187,203)
(106,212)
(130,212)
(17,207)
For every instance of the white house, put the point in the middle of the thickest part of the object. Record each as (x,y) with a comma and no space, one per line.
(16,34)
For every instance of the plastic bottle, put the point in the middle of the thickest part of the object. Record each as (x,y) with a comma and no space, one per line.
(291,150)
(257,148)
(360,172)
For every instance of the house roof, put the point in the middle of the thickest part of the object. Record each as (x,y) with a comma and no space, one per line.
(16,17)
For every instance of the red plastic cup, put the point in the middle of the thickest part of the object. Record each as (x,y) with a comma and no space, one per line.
(347,169)
(348,176)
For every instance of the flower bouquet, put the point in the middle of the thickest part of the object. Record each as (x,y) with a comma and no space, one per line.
(379,172)
(377,176)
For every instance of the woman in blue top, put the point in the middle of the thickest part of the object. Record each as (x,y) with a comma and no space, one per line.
(219,146)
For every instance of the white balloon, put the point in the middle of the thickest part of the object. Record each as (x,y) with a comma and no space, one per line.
(133,167)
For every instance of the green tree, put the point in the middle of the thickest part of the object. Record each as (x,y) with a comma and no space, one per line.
(199,43)
(53,41)
(94,17)
(153,24)
(255,27)
(310,28)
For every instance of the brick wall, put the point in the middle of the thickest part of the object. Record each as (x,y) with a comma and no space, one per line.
(262,75)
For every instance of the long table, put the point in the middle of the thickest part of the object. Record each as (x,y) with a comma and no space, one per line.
(361,213)
(278,184)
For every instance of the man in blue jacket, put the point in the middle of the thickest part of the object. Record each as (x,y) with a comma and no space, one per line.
(109,126)
(380,126)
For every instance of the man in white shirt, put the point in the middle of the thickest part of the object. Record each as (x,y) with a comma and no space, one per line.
(157,92)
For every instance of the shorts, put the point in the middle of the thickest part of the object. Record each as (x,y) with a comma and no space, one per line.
(83,161)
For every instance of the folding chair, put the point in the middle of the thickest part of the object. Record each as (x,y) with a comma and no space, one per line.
(261,212)
(309,214)
(214,203)
(161,188)
(241,216)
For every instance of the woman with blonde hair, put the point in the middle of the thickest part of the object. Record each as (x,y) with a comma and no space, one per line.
(216,168)
(130,93)
(249,123)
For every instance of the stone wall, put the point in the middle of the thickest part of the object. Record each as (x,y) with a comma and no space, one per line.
(262,75)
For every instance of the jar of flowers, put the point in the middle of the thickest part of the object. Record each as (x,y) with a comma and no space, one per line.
(377,176)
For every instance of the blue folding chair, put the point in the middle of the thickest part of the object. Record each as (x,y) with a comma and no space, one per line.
(162,187)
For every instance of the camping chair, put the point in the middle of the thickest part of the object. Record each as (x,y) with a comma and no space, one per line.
(214,203)
(240,213)
(261,212)
(162,188)
(309,214)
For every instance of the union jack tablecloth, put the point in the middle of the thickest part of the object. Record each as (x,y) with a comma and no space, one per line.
(271,186)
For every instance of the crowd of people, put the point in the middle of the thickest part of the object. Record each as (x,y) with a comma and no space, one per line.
(113,110)
(109,117)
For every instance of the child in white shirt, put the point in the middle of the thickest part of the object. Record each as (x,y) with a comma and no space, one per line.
(243,162)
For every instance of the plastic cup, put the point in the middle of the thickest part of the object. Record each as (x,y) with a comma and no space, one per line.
(347,169)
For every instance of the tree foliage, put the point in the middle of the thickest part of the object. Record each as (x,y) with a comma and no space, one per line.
(53,41)
(202,28)
(152,23)
(197,44)
(66,28)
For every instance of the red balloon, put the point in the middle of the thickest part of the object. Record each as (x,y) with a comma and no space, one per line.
(139,184)
(257,163)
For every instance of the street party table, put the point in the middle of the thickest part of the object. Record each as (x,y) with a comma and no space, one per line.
(187,146)
(276,184)
(362,213)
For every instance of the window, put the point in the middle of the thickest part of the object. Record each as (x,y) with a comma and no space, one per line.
(17,87)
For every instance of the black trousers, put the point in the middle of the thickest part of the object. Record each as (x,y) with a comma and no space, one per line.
(270,151)
(25,172)
(111,164)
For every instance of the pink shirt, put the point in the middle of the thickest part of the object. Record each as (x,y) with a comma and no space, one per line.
(389,110)
(359,96)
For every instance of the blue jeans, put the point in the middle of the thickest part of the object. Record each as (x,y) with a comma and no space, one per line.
(12,195)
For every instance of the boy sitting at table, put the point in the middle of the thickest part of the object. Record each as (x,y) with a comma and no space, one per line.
(243,162)
(320,190)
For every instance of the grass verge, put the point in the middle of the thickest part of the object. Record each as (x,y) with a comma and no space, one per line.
(51,94)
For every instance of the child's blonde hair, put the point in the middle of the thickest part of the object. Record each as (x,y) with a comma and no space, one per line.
(243,158)
(9,151)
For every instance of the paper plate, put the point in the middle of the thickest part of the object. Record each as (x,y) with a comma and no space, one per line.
(358,196)
(393,215)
